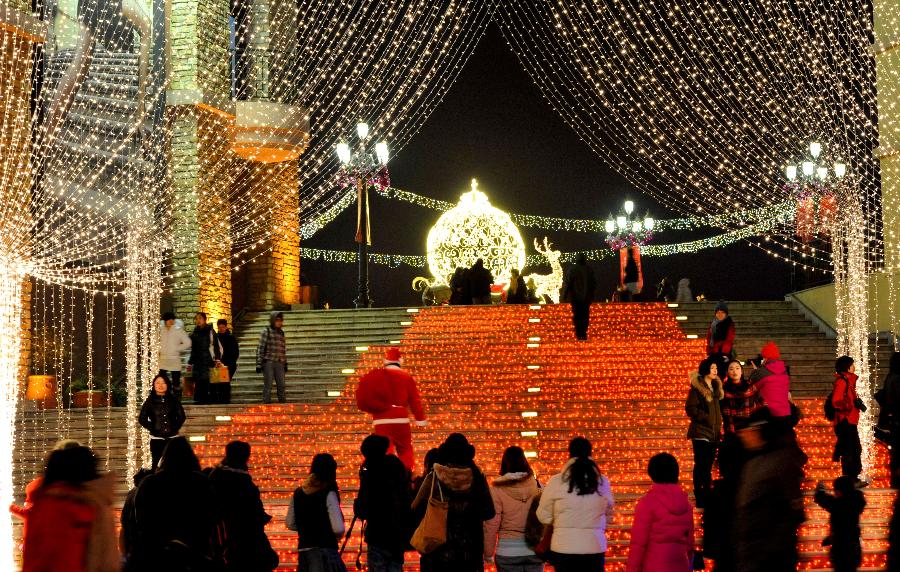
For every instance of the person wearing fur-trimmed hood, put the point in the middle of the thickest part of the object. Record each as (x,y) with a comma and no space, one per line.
(514,492)
(705,412)
(463,485)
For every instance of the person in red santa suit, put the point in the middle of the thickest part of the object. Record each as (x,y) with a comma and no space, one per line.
(388,393)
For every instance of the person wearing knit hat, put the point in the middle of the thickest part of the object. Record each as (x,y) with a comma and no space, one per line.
(388,394)
(720,337)
(774,384)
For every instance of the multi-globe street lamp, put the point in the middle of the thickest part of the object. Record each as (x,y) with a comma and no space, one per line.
(361,166)
(625,230)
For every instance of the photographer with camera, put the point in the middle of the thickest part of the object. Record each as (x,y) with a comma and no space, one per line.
(847,407)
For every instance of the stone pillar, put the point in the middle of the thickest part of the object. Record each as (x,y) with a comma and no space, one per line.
(887,58)
(201,119)
(19,34)
(273,278)
(271,133)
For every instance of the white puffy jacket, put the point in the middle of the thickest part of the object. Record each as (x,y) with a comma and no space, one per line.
(579,521)
(172,343)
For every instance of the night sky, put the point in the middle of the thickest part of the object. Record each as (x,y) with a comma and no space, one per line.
(495,126)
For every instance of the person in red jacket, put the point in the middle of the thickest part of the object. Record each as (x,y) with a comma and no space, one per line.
(720,337)
(389,393)
(70,524)
(847,407)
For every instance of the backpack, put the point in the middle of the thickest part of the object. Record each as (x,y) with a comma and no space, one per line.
(830,412)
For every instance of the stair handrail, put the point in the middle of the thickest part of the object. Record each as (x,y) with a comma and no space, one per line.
(812,316)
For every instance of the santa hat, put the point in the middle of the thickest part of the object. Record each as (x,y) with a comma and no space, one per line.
(770,351)
(392,356)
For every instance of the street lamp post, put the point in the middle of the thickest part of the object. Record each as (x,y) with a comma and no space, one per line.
(362,166)
(625,231)
(814,183)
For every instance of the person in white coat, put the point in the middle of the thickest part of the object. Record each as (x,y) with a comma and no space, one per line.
(578,503)
(173,341)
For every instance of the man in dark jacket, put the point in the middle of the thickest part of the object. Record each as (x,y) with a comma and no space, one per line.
(578,290)
(231,351)
(479,280)
(205,353)
(246,546)
(769,503)
(383,502)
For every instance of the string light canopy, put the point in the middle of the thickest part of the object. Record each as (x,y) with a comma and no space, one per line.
(697,108)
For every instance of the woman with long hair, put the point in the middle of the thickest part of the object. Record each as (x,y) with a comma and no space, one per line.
(704,410)
(577,502)
(162,415)
(315,513)
(176,513)
(513,493)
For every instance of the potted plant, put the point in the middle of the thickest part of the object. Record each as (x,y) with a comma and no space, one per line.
(82,395)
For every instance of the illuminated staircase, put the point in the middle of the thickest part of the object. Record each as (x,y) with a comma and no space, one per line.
(516,375)
(501,375)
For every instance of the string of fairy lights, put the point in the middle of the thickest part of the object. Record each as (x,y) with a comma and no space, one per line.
(698,103)
(715,107)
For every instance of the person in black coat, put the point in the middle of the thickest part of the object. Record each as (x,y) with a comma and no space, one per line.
(383,502)
(162,415)
(768,503)
(176,514)
(578,290)
(479,280)
(246,546)
(889,417)
(205,353)
(465,488)
(844,507)
(231,351)
(459,288)
(517,293)
(128,535)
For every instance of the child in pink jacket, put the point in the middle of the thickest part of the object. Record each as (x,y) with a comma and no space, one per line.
(662,535)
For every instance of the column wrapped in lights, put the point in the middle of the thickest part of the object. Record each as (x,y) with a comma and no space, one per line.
(10,344)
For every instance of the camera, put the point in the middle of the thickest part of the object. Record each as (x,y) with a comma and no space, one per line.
(757,361)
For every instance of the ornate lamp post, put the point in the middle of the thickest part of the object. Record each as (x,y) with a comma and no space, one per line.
(625,231)
(814,183)
(362,166)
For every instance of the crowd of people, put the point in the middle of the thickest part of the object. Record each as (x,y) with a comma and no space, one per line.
(180,517)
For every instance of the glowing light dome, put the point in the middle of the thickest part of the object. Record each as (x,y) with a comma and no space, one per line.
(471,230)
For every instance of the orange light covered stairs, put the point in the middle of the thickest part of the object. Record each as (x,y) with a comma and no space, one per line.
(515,375)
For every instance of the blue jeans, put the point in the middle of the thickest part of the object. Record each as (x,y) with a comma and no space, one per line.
(273,371)
(578,562)
(518,564)
(320,560)
(381,560)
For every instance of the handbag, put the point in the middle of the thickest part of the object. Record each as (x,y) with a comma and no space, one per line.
(542,550)
(219,374)
(431,533)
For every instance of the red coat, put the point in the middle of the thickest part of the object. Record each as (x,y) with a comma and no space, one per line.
(389,393)
(70,529)
(721,346)
(844,398)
